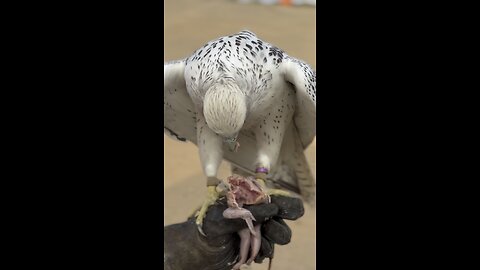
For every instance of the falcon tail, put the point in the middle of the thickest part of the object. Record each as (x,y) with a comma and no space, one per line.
(305,180)
(293,167)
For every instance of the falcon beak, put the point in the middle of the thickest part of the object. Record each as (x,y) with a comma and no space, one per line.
(232,144)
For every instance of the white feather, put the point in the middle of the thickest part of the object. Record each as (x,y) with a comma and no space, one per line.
(240,83)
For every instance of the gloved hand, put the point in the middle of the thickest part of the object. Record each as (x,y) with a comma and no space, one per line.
(186,248)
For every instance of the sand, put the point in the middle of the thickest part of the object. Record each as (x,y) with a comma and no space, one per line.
(189,25)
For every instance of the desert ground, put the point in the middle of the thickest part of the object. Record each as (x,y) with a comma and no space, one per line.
(189,24)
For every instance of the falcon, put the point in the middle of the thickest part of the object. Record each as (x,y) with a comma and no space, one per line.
(244,100)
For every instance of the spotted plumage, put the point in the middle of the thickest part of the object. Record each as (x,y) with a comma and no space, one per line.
(240,87)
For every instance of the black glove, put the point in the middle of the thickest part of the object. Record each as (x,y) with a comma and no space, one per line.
(186,248)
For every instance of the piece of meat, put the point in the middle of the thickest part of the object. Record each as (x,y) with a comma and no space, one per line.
(245,191)
(245,239)
(255,244)
(243,213)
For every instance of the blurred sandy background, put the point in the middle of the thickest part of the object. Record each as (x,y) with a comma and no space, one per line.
(189,24)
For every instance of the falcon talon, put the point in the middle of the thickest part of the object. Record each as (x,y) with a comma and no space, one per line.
(200,230)
(211,198)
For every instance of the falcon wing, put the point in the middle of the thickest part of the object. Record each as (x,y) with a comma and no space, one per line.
(179,111)
(303,79)
(292,166)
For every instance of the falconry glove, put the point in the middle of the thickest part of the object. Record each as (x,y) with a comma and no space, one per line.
(186,248)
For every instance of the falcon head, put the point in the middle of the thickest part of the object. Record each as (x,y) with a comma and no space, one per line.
(225,110)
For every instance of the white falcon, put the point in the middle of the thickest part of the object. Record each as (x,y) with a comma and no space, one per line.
(244,100)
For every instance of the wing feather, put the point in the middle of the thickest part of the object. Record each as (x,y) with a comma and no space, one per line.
(303,79)
(179,111)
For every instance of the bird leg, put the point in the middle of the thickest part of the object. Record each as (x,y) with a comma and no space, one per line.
(278,192)
(261,177)
(210,149)
(245,239)
(211,198)
(255,244)
(243,213)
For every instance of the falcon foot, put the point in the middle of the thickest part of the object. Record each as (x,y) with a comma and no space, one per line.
(279,192)
(273,191)
(212,196)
